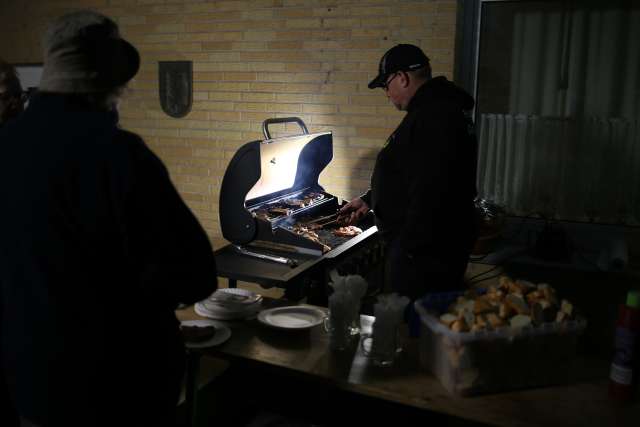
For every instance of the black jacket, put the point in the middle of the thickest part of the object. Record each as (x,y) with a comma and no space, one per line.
(424,181)
(96,251)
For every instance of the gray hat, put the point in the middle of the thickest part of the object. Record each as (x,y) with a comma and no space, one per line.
(84,53)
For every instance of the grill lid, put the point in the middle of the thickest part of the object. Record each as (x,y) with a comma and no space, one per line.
(264,170)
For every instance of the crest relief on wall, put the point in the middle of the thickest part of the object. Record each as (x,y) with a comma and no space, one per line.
(175,80)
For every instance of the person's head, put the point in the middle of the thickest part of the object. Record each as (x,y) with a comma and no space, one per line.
(11,103)
(85,55)
(402,70)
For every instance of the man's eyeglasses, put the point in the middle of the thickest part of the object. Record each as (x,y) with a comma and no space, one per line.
(385,85)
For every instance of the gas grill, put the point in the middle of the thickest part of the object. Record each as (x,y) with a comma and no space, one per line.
(281,224)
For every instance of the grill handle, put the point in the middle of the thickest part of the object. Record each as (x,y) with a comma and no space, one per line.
(267,122)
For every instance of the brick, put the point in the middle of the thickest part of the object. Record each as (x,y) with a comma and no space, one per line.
(356,109)
(245,46)
(207,76)
(333,10)
(193,133)
(251,35)
(258,15)
(294,13)
(228,26)
(347,77)
(164,19)
(223,45)
(234,86)
(224,96)
(301,88)
(364,120)
(192,37)
(291,35)
(131,20)
(303,66)
(232,116)
(266,66)
(208,153)
(303,23)
(335,120)
(200,96)
(293,97)
(169,142)
(212,17)
(258,97)
(417,8)
(214,106)
(374,99)
(176,151)
(320,45)
(283,108)
(374,132)
(168,8)
(255,117)
(205,85)
(297,44)
(169,28)
(330,99)
(340,23)
(250,106)
(327,33)
(159,38)
(339,87)
(370,11)
(220,66)
(240,76)
(267,87)
(280,56)
(320,108)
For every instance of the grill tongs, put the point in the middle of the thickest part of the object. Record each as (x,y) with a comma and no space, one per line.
(279,259)
(323,221)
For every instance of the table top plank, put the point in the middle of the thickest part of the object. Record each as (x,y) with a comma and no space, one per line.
(306,353)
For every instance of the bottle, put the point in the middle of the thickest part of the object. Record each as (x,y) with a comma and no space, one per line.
(623,376)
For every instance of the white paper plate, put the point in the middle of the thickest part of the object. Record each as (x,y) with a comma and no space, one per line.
(222,333)
(229,304)
(235,297)
(293,317)
(213,311)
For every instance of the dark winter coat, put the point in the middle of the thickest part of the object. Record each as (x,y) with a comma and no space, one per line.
(96,251)
(423,188)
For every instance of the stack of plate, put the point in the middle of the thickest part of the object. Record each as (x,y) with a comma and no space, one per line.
(230,303)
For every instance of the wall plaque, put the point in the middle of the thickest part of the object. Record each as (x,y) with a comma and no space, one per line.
(175,80)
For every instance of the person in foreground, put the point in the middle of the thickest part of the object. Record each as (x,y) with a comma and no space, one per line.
(10,107)
(97,249)
(423,184)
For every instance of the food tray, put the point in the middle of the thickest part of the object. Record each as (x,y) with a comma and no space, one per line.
(470,363)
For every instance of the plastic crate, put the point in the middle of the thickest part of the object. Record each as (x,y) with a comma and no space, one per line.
(470,363)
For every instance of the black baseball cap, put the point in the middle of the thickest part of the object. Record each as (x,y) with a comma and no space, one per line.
(402,57)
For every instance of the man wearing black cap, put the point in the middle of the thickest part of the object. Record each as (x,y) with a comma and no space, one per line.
(423,182)
(97,247)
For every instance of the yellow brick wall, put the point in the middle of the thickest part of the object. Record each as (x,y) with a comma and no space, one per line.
(253,60)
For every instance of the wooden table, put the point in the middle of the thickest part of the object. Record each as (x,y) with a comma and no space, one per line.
(307,355)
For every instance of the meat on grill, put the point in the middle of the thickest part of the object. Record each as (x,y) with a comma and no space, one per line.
(347,231)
